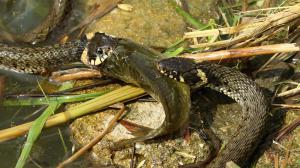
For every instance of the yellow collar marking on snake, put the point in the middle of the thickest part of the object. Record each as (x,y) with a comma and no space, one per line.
(84,56)
(202,76)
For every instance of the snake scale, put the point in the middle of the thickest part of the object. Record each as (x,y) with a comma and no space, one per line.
(235,85)
(150,70)
(40,59)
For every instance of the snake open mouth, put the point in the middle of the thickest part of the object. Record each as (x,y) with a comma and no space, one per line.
(100,47)
(103,54)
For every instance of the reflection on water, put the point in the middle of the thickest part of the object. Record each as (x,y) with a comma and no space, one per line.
(28,20)
(48,150)
(21,16)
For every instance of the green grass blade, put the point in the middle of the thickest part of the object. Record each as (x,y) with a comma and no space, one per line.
(66,85)
(190,19)
(58,99)
(37,126)
(34,133)
(62,141)
(175,52)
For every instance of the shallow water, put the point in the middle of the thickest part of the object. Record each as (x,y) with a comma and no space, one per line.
(20,18)
(23,15)
(48,150)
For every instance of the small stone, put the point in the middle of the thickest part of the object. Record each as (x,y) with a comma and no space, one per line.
(125,7)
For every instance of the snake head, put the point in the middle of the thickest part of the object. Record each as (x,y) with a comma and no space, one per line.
(183,70)
(100,47)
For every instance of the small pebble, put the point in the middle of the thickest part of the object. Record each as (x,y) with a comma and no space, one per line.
(125,7)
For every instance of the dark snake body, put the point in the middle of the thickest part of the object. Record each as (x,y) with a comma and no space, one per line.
(136,64)
(40,59)
(238,86)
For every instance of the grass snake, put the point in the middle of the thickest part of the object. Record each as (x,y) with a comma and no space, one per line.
(130,62)
(236,85)
(40,59)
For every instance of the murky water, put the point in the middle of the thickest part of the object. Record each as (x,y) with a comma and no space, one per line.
(20,20)
(48,151)
(21,16)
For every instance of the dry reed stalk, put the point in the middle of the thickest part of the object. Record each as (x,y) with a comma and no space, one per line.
(76,75)
(247,33)
(287,129)
(118,95)
(243,52)
(290,92)
(2,86)
(290,106)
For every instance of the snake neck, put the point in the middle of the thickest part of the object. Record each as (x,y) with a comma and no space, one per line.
(255,108)
(40,59)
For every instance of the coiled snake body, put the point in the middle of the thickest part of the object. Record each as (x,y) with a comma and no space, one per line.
(133,63)
(235,85)
(126,60)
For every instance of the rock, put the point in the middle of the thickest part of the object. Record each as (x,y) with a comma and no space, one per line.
(151,23)
(159,153)
(167,151)
(273,74)
(29,21)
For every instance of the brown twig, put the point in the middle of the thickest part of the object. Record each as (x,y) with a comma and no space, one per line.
(289,92)
(276,160)
(290,106)
(133,157)
(243,52)
(287,129)
(267,3)
(294,37)
(75,75)
(245,5)
(286,157)
(264,9)
(88,146)
(2,86)
(100,10)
